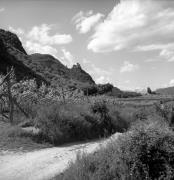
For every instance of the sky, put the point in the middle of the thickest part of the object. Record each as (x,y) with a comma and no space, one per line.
(128,43)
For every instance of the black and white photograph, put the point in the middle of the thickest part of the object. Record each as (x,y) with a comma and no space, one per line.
(86,89)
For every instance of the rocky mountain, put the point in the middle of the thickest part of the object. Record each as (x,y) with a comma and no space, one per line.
(42,67)
(11,40)
(8,60)
(166,91)
(84,77)
(53,70)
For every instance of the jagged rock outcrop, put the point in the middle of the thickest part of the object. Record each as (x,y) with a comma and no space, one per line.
(79,74)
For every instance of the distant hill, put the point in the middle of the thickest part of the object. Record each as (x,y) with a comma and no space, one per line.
(166,91)
(42,67)
(116,92)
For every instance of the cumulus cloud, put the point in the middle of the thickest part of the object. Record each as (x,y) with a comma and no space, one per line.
(84,22)
(34,47)
(171,83)
(128,67)
(100,75)
(99,71)
(41,35)
(168,54)
(131,22)
(102,80)
(153,47)
(18,31)
(166,50)
(39,40)
(68,58)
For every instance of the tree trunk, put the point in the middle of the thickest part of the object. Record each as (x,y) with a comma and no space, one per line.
(11,105)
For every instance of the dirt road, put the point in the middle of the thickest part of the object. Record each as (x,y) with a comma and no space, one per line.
(43,164)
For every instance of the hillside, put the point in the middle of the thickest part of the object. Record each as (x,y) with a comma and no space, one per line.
(8,60)
(166,91)
(11,39)
(46,68)
(42,67)
(54,71)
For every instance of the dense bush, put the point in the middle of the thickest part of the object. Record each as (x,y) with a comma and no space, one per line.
(129,94)
(104,123)
(146,152)
(89,90)
(60,123)
(119,122)
(164,110)
(97,89)
(62,119)
(104,88)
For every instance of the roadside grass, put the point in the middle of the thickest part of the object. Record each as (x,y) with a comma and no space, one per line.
(62,123)
(13,138)
(144,152)
(68,122)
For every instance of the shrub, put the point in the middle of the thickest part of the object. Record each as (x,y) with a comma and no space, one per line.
(104,88)
(59,124)
(140,115)
(17,132)
(166,111)
(119,122)
(150,151)
(146,152)
(89,90)
(104,122)
(149,91)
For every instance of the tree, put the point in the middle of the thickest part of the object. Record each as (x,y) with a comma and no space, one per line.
(104,88)
(149,91)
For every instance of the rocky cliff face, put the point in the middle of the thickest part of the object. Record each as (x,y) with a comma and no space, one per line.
(39,66)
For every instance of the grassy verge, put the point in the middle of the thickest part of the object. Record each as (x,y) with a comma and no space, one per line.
(145,152)
(61,123)
(13,138)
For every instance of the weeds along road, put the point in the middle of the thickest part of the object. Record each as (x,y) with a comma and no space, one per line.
(44,164)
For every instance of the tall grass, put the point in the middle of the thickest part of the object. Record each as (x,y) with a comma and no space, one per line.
(145,152)
(60,123)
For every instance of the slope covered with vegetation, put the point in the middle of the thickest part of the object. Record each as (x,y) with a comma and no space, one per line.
(42,66)
(8,61)
(146,151)
(46,68)
(166,91)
